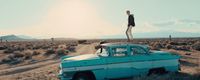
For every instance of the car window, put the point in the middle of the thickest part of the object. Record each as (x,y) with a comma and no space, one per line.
(137,50)
(119,51)
(102,52)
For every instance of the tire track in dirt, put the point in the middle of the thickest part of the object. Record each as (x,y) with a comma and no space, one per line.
(37,67)
(26,68)
(84,49)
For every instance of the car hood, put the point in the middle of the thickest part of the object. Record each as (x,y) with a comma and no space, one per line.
(81,60)
(82,57)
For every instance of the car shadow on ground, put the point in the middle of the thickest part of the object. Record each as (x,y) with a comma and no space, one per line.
(167,76)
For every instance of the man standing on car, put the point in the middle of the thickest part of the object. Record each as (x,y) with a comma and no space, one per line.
(131,23)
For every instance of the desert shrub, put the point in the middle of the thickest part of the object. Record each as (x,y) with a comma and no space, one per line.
(36,53)
(49,51)
(9,50)
(173,43)
(71,48)
(27,55)
(178,43)
(157,46)
(18,48)
(168,46)
(2,47)
(17,54)
(72,44)
(82,41)
(6,60)
(182,43)
(36,47)
(13,58)
(60,52)
(16,61)
(184,48)
(45,47)
(196,46)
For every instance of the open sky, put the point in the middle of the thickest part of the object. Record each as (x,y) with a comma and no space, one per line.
(99,18)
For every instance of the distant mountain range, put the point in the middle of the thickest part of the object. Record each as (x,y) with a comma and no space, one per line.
(24,37)
(159,34)
(15,37)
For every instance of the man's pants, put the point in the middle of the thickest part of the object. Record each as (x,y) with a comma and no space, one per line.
(129,33)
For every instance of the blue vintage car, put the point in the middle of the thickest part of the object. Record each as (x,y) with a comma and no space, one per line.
(117,60)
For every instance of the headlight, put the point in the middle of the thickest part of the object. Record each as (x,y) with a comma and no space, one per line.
(60,71)
(60,67)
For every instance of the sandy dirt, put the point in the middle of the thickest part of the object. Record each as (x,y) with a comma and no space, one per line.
(48,69)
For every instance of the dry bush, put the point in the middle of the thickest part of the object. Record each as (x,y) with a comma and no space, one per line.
(45,47)
(173,43)
(36,53)
(14,58)
(60,52)
(72,44)
(27,55)
(157,46)
(2,47)
(50,51)
(169,46)
(184,48)
(196,46)
(17,54)
(6,60)
(82,41)
(35,47)
(9,50)
(71,48)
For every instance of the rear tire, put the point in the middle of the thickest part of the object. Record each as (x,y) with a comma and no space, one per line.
(158,71)
(83,76)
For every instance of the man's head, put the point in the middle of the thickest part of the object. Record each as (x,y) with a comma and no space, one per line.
(128,12)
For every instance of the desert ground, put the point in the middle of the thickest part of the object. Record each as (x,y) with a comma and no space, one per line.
(39,60)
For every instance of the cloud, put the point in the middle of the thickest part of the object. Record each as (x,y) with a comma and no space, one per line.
(177,22)
(180,25)
(145,27)
(189,21)
(168,23)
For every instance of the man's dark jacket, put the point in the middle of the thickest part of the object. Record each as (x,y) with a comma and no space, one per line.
(131,21)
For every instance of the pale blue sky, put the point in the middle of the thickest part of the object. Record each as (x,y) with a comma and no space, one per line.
(23,16)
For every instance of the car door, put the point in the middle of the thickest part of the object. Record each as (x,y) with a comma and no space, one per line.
(118,64)
(141,61)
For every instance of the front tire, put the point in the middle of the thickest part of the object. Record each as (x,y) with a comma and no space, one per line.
(83,76)
(158,71)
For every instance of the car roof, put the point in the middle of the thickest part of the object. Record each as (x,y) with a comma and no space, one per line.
(121,44)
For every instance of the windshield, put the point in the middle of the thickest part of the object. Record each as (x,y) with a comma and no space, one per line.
(102,52)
